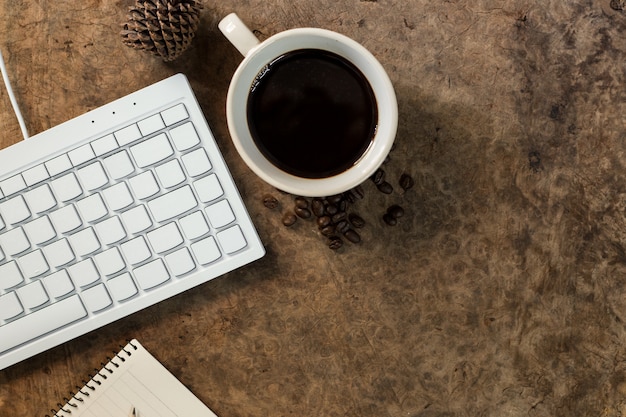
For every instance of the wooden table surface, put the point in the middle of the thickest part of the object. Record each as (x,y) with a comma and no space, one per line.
(499,293)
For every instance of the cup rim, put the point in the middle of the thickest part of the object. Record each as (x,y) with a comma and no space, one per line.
(377,77)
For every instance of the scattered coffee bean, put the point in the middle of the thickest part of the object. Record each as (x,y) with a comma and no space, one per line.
(323,221)
(331,209)
(356,220)
(342,226)
(385,187)
(339,217)
(301,202)
(289,219)
(328,230)
(270,201)
(358,192)
(389,219)
(317,207)
(406,181)
(352,236)
(396,211)
(334,199)
(335,242)
(378,177)
(303,213)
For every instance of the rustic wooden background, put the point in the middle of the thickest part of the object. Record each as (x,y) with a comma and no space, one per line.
(501,291)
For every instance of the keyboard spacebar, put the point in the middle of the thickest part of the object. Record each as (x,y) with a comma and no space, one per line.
(41,322)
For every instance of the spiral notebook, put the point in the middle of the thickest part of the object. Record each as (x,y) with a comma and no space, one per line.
(134,379)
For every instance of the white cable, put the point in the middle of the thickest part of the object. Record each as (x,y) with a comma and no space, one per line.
(16,108)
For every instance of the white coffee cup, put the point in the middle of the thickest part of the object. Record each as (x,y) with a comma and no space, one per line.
(257,55)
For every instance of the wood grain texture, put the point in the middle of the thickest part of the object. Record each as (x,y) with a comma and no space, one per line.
(499,293)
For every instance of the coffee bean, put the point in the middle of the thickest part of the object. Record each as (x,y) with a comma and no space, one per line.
(339,217)
(301,202)
(396,211)
(335,242)
(358,192)
(289,219)
(328,230)
(303,213)
(270,201)
(323,221)
(385,187)
(389,219)
(342,226)
(378,177)
(356,220)
(334,199)
(331,209)
(317,206)
(406,181)
(352,236)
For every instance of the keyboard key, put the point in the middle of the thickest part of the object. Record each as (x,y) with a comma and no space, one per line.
(92,176)
(92,208)
(96,298)
(65,219)
(35,175)
(206,250)
(136,219)
(151,274)
(136,250)
(165,238)
(151,151)
(10,275)
(32,295)
(118,165)
(172,204)
(144,185)
(220,214)
(58,253)
(81,155)
(40,322)
(14,210)
(196,162)
(184,136)
(194,225)
(14,241)
(40,199)
(110,230)
(84,242)
(127,135)
(208,188)
(232,239)
(66,188)
(58,165)
(33,264)
(10,306)
(39,230)
(83,273)
(12,185)
(58,284)
(170,174)
(117,196)
(122,287)
(109,262)
(180,262)
(151,124)
(174,114)
(104,145)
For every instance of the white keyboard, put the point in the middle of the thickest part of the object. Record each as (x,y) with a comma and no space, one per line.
(111,212)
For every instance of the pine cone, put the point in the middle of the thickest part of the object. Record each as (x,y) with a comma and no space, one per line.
(162,27)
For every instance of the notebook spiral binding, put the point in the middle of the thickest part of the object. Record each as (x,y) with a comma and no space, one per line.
(109,366)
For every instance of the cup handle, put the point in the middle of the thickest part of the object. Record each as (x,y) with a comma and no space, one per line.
(238,33)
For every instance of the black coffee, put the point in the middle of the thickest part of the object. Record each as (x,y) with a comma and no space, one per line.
(312,113)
